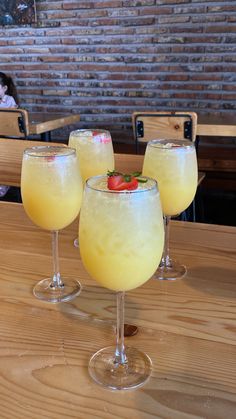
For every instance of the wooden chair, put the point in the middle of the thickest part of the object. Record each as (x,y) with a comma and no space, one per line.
(11,153)
(14,123)
(168,125)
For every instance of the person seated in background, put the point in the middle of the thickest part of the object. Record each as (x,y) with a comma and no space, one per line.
(8,99)
(8,93)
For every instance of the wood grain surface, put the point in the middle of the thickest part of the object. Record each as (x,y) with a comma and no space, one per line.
(14,123)
(44,122)
(11,153)
(216,125)
(165,124)
(187,327)
(209,125)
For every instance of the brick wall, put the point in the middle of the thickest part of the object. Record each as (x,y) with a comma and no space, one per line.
(106,59)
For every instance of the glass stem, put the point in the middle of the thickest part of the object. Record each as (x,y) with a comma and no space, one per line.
(120,356)
(165,261)
(56,281)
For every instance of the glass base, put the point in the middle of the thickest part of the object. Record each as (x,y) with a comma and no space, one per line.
(170,271)
(106,372)
(76,243)
(44,290)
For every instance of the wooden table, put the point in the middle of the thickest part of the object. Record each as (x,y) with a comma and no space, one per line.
(218,155)
(216,125)
(187,327)
(43,123)
(11,153)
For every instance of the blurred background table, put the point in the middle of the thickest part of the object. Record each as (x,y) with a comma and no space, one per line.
(43,123)
(216,125)
(187,327)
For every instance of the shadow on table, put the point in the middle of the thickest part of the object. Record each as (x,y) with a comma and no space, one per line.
(98,305)
(218,281)
(13,195)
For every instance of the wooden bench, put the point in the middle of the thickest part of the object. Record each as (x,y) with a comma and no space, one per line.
(11,153)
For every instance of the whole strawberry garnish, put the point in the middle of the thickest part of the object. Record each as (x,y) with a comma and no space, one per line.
(118,182)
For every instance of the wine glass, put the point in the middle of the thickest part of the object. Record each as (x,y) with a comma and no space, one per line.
(121,238)
(51,189)
(95,152)
(174,165)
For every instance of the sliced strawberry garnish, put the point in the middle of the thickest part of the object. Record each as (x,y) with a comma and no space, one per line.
(118,182)
(114,182)
(95,133)
(132,184)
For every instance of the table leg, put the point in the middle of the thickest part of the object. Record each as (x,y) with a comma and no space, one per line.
(46,136)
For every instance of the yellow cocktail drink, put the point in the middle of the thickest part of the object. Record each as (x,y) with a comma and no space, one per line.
(175,169)
(174,165)
(95,151)
(51,189)
(121,237)
(121,234)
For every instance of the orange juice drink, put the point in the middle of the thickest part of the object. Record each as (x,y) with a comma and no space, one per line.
(51,189)
(95,151)
(121,234)
(175,169)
